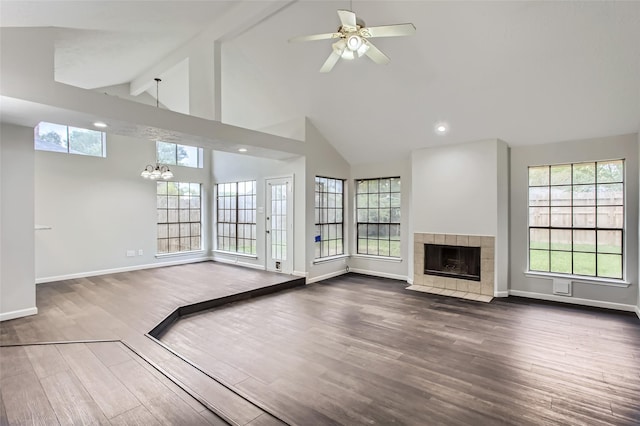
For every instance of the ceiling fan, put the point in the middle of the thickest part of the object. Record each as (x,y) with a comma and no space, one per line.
(353,40)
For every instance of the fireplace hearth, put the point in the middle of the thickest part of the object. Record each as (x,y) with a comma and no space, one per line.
(452,261)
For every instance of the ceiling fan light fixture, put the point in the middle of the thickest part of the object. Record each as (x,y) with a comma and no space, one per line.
(348,54)
(354,42)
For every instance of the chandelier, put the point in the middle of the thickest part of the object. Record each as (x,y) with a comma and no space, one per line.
(159,172)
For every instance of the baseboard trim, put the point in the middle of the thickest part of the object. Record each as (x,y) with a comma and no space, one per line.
(118,270)
(300,274)
(235,261)
(410,281)
(638,311)
(379,274)
(5,316)
(501,293)
(326,276)
(575,301)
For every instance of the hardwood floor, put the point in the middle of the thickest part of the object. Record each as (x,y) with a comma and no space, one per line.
(93,383)
(124,307)
(350,350)
(362,350)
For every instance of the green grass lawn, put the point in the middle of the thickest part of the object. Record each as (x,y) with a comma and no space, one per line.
(609,265)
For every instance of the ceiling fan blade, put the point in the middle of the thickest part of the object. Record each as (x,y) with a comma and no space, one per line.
(348,19)
(375,54)
(331,61)
(389,30)
(315,37)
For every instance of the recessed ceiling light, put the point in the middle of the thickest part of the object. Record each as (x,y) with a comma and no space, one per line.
(100,124)
(242,149)
(441,128)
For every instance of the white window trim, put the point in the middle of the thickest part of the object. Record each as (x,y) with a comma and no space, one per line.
(380,258)
(580,279)
(330,258)
(235,253)
(180,254)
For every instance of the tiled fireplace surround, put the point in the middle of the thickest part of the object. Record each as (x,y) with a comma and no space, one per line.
(453,286)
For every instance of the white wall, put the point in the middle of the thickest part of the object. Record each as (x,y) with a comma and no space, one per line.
(614,147)
(323,160)
(462,189)
(227,167)
(638,302)
(17,278)
(99,208)
(371,265)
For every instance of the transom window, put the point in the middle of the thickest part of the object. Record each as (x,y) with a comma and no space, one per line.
(576,218)
(179,217)
(236,211)
(72,140)
(179,155)
(378,216)
(329,217)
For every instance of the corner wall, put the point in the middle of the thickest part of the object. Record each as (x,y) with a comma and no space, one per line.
(17,276)
(227,167)
(323,160)
(606,148)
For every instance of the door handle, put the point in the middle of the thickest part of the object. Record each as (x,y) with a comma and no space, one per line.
(268,231)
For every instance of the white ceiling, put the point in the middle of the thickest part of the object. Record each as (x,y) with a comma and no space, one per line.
(525,72)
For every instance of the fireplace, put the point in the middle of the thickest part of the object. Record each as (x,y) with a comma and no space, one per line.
(452,261)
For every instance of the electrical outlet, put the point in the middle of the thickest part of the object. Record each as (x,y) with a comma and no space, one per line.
(140,252)
(131,253)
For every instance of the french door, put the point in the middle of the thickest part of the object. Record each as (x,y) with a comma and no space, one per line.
(279,224)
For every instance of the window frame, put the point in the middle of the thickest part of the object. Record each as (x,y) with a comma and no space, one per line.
(199,159)
(68,148)
(377,223)
(234,212)
(595,229)
(178,220)
(319,241)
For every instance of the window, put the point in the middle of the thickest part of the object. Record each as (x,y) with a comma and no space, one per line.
(179,217)
(576,219)
(329,217)
(378,216)
(72,140)
(236,207)
(179,155)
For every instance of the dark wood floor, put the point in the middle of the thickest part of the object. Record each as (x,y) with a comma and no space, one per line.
(351,350)
(361,350)
(124,307)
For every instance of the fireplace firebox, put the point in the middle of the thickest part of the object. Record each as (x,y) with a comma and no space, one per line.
(452,261)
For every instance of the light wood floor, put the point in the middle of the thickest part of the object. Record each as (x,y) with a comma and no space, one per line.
(93,383)
(351,350)
(361,350)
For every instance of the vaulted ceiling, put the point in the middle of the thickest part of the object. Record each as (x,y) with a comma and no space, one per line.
(524,72)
